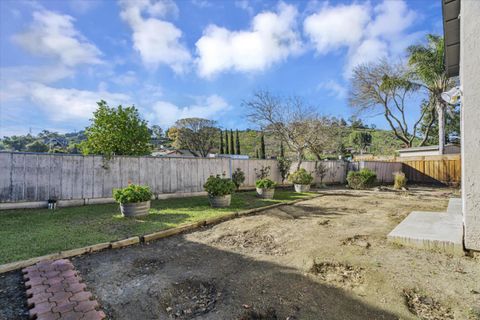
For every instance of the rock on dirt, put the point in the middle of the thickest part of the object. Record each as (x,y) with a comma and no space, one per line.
(425,307)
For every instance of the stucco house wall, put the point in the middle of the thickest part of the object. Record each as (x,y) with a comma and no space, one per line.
(470,82)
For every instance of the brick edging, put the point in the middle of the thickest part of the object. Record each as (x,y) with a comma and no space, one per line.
(143,238)
(55,291)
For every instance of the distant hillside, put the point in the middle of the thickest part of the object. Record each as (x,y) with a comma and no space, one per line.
(383,142)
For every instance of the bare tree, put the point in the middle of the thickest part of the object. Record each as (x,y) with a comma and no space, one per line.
(290,119)
(198,135)
(324,136)
(388,87)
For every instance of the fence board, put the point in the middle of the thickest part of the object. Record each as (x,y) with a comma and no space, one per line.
(38,177)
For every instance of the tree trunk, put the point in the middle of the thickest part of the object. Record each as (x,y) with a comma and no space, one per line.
(299,159)
(441,127)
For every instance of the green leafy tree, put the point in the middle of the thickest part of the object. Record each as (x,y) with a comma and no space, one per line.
(117,131)
(262,146)
(282,150)
(221,142)
(232,147)
(237,141)
(360,140)
(37,146)
(427,61)
(17,143)
(256,154)
(198,135)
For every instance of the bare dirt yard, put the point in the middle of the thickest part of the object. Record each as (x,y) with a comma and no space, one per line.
(324,258)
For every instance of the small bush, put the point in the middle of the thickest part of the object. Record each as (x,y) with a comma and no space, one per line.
(218,186)
(132,193)
(362,179)
(400,180)
(301,176)
(238,177)
(265,184)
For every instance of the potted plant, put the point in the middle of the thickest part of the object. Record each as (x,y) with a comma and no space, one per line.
(301,180)
(134,200)
(219,191)
(265,188)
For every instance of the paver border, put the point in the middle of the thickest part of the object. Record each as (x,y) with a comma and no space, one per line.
(144,238)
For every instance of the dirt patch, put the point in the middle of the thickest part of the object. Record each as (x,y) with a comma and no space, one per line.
(357,240)
(256,240)
(425,307)
(238,259)
(338,273)
(270,314)
(190,298)
(147,265)
(13,301)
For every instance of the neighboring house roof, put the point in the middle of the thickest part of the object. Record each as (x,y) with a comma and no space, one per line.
(426,148)
(451,33)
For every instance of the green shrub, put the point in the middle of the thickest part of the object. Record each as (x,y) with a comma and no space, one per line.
(301,176)
(238,177)
(132,193)
(265,184)
(218,186)
(400,180)
(362,179)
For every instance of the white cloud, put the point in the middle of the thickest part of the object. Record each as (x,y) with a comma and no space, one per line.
(271,38)
(367,33)
(157,40)
(211,107)
(391,19)
(244,5)
(334,89)
(334,27)
(54,35)
(62,104)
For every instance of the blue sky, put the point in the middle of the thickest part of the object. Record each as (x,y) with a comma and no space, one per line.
(192,57)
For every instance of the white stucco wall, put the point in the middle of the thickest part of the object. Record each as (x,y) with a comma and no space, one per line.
(470,81)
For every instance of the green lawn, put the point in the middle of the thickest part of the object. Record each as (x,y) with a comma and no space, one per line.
(30,233)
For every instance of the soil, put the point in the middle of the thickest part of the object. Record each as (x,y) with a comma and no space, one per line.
(13,299)
(324,258)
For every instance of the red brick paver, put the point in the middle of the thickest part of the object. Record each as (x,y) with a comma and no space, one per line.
(55,292)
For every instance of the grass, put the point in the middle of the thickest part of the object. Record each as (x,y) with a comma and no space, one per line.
(28,233)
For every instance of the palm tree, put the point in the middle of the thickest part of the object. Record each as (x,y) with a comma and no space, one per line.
(427,62)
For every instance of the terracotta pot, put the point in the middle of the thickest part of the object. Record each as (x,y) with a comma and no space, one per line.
(265,193)
(220,201)
(301,187)
(135,209)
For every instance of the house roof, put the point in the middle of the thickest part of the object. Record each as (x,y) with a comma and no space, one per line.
(451,34)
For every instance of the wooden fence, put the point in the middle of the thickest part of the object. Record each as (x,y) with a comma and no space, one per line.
(30,177)
(39,177)
(444,169)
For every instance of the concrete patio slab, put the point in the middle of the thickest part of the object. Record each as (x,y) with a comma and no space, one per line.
(432,230)
(455,206)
